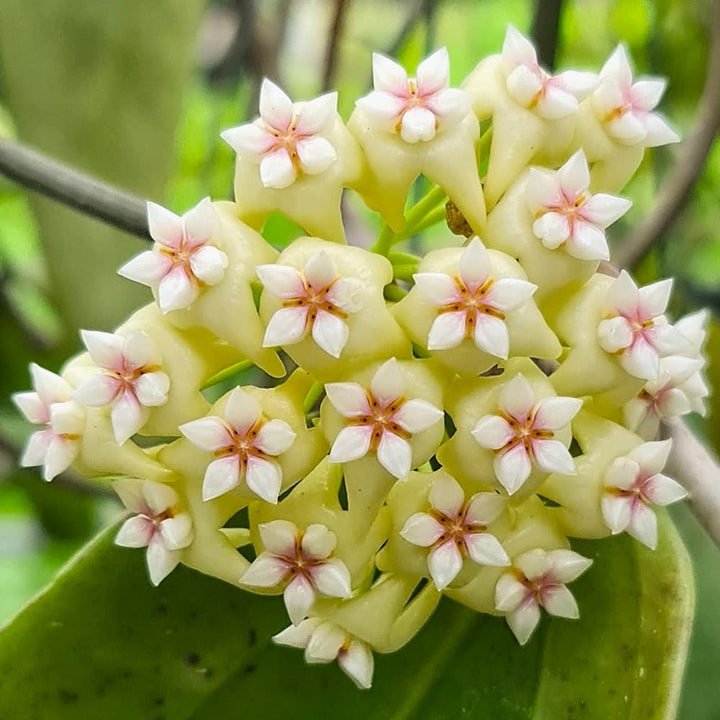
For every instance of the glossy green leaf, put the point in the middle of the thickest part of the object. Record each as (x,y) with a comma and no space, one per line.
(100,642)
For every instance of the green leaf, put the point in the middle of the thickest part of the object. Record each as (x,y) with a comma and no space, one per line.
(101,642)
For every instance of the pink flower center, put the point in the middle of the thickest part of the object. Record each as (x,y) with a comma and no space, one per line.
(127,376)
(471,302)
(382,419)
(316,300)
(243,443)
(455,528)
(525,432)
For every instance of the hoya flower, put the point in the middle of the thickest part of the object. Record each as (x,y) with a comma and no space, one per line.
(286,139)
(472,304)
(625,108)
(415,107)
(532,87)
(454,529)
(159,524)
(522,433)
(567,214)
(670,394)
(379,419)
(538,578)
(634,482)
(325,641)
(636,329)
(693,329)
(315,300)
(303,562)
(129,380)
(244,444)
(57,445)
(183,259)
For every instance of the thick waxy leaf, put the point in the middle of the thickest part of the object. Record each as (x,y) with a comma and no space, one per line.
(100,642)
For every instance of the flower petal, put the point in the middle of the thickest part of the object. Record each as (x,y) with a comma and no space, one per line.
(643,525)
(331,578)
(282,281)
(387,382)
(318,542)
(418,124)
(147,268)
(357,663)
(105,349)
(349,399)
(422,529)
(297,636)
(395,455)
(166,228)
(509,593)
(492,432)
(616,512)
(152,389)
(346,294)
(662,490)
(60,455)
(221,476)
(330,332)
(314,116)
(567,565)
(299,597)
(444,563)
(177,531)
(97,390)
(556,412)
(603,209)
(651,456)
(67,418)
(277,169)
(484,508)
(559,601)
(389,76)
(208,433)
(615,334)
(517,398)
(588,242)
(276,108)
(325,643)
(543,190)
(552,228)
(201,223)
(437,288)
(177,290)
(264,478)
(474,264)
(36,449)
(447,331)
(553,457)
(485,549)
(275,437)
(447,497)
(641,359)
(491,335)
(279,537)
(351,443)
(433,73)
(250,141)
(512,468)
(242,410)
(159,496)
(266,571)
(136,532)
(315,154)
(508,294)
(286,327)
(524,620)
(208,264)
(161,561)
(417,415)
(382,107)
(654,298)
(127,416)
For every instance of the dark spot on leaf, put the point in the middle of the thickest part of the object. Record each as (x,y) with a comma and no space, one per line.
(249,669)
(160,701)
(192,659)
(252,637)
(67,697)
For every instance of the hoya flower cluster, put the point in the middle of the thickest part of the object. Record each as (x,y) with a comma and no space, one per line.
(434,426)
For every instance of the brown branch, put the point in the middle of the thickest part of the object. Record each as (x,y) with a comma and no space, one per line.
(546,29)
(698,471)
(676,189)
(73,188)
(332,49)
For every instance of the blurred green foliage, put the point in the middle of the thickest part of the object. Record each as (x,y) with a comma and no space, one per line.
(116,88)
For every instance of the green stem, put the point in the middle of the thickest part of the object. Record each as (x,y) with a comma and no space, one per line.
(226,373)
(313,395)
(394,293)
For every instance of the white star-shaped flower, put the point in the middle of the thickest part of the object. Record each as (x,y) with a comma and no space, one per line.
(625,108)
(129,380)
(635,327)
(415,107)
(665,396)
(159,524)
(303,562)
(567,214)
(455,529)
(183,259)
(379,419)
(244,444)
(634,482)
(522,433)
(535,89)
(538,578)
(472,304)
(325,641)
(57,445)
(315,300)
(286,140)
(693,329)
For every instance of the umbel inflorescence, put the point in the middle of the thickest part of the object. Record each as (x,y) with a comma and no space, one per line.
(452,420)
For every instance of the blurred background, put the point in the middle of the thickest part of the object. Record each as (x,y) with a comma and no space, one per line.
(137,92)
